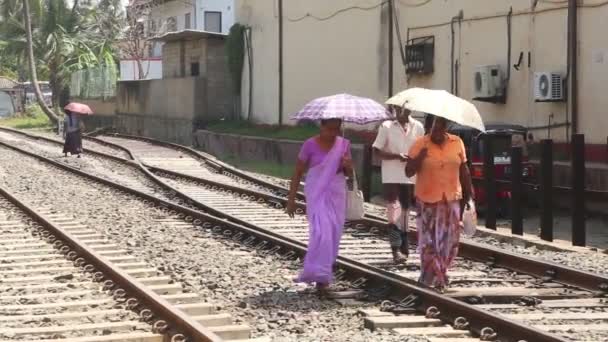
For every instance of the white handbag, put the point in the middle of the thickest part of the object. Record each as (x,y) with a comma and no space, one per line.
(355,209)
(469,219)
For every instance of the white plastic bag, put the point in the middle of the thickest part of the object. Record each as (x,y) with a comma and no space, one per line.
(469,219)
(355,209)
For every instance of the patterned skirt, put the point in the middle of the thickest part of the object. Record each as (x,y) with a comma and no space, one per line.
(438,238)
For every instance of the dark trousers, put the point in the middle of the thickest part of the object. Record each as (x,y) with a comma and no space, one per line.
(402,193)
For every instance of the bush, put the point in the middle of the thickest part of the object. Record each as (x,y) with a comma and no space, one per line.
(33,117)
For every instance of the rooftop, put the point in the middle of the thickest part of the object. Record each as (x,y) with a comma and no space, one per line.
(7,83)
(187,35)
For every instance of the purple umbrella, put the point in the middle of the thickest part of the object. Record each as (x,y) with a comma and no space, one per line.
(349,108)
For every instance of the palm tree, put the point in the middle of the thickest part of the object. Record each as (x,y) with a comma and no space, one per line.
(32,64)
(57,39)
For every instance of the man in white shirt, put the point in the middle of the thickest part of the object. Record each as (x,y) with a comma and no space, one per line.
(392,144)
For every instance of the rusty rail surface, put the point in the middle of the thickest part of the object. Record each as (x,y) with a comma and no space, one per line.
(396,286)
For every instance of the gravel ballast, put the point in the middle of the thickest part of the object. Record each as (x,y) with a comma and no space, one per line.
(256,290)
(590,261)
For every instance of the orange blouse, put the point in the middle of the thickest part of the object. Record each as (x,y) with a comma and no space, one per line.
(439,174)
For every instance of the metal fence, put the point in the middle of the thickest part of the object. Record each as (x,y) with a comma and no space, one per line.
(99,82)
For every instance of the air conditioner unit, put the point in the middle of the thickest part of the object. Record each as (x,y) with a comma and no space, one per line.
(548,87)
(489,82)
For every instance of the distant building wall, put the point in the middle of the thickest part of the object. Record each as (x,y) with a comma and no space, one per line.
(129,71)
(347,51)
(225,7)
(170,10)
(165,109)
(202,58)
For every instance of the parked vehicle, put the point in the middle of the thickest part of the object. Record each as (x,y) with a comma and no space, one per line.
(503,136)
(30,96)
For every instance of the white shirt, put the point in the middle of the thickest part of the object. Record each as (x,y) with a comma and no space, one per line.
(397,139)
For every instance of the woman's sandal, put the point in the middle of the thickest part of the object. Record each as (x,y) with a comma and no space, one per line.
(322,290)
(441,289)
(399,258)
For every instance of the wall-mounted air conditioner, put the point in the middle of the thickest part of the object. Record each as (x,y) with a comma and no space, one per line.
(489,83)
(548,87)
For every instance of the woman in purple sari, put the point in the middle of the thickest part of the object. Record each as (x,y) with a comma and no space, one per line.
(326,159)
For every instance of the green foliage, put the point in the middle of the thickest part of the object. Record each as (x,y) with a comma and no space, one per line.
(284,171)
(235,49)
(8,66)
(33,117)
(65,37)
(300,133)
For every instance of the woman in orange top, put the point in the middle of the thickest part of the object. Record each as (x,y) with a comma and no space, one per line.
(443,184)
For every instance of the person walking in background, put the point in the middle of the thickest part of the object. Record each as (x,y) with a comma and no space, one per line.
(443,181)
(73,129)
(326,159)
(392,143)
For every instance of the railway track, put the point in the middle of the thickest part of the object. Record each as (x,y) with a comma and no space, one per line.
(62,281)
(488,285)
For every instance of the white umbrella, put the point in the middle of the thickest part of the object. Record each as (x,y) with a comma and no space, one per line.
(439,103)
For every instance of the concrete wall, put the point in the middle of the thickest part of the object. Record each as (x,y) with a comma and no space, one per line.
(220,98)
(104,112)
(153,69)
(260,15)
(162,109)
(348,52)
(167,109)
(213,67)
(258,149)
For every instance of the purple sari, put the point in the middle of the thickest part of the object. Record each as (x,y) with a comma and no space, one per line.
(325,192)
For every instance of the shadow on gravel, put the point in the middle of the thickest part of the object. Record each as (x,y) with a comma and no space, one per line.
(291,300)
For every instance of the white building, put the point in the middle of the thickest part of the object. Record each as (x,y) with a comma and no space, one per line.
(177,15)
(215,15)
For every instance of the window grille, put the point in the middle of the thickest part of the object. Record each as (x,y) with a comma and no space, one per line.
(420,55)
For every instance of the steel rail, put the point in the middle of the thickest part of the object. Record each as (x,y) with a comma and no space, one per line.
(74,249)
(550,271)
(219,165)
(474,251)
(396,286)
(470,250)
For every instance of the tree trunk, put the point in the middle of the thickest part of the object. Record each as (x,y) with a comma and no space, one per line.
(34,77)
(140,69)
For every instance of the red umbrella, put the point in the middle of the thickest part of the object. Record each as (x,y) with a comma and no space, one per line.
(78,108)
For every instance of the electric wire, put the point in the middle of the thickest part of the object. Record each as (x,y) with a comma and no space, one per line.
(336,13)
(361,8)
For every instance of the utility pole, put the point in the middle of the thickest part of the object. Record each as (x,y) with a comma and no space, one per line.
(573,63)
(280,62)
(391,9)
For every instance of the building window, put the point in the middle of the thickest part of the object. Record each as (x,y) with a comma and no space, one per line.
(195,69)
(420,55)
(151,28)
(171,24)
(187,22)
(213,21)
